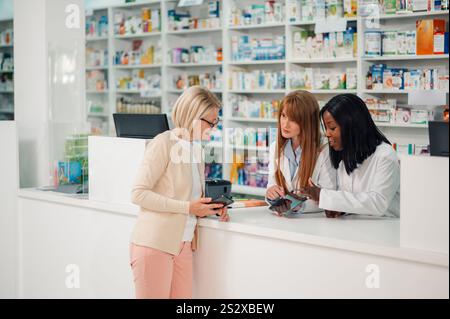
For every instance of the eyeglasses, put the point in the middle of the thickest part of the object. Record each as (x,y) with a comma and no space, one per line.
(212,125)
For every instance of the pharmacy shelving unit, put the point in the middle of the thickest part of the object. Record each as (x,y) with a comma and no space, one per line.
(98,102)
(185,39)
(6,95)
(155,38)
(399,133)
(112,43)
(221,37)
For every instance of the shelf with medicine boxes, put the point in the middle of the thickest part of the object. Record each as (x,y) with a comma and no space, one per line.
(98,75)
(6,69)
(310,12)
(255,56)
(193,50)
(399,57)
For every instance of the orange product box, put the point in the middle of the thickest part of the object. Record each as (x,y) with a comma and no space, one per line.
(426,29)
(424,37)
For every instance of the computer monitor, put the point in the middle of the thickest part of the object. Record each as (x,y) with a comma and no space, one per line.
(143,126)
(438,131)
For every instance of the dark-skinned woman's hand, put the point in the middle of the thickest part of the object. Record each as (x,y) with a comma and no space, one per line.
(312,191)
(283,208)
(332,214)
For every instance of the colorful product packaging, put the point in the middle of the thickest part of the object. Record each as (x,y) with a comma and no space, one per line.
(389,43)
(424,37)
(372,43)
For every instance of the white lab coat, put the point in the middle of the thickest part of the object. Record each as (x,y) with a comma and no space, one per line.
(371,189)
(324,174)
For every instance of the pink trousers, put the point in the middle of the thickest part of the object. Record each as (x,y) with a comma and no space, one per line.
(160,275)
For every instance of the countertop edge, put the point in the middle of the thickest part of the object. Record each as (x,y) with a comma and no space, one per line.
(122,209)
(400,253)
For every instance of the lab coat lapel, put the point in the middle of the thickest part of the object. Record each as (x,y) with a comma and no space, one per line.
(286,172)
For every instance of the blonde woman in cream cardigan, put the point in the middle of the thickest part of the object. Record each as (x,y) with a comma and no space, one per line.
(169,191)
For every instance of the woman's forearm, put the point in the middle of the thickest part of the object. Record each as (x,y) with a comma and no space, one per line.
(152,201)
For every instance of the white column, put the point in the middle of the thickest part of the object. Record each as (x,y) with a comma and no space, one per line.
(9,181)
(49,81)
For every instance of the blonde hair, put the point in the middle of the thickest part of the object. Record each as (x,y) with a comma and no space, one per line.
(192,105)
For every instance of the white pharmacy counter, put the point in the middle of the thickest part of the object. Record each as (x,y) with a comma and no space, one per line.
(79,248)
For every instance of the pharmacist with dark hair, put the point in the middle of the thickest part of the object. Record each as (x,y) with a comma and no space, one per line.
(367,165)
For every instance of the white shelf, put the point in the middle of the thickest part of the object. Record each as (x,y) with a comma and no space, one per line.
(241,189)
(6,45)
(97,92)
(97,115)
(413,15)
(193,31)
(193,65)
(6,111)
(140,66)
(6,71)
(96,68)
(393,125)
(326,91)
(157,95)
(252,120)
(327,60)
(6,91)
(137,4)
(257,26)
(304,23)
(397,91)
(214,144)
(137,36)
(177,91)
(94,39)
(260,62)
(257,91)
(407,57)
(248,148)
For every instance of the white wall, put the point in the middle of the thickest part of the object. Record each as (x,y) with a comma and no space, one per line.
(9,180)
(44,113)
(30,87)
(6,9)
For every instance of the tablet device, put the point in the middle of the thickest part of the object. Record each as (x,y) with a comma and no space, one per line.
(289,204)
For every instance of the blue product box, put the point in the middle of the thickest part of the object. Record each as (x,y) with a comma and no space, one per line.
(69,173)
(377,75)
(446,43)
